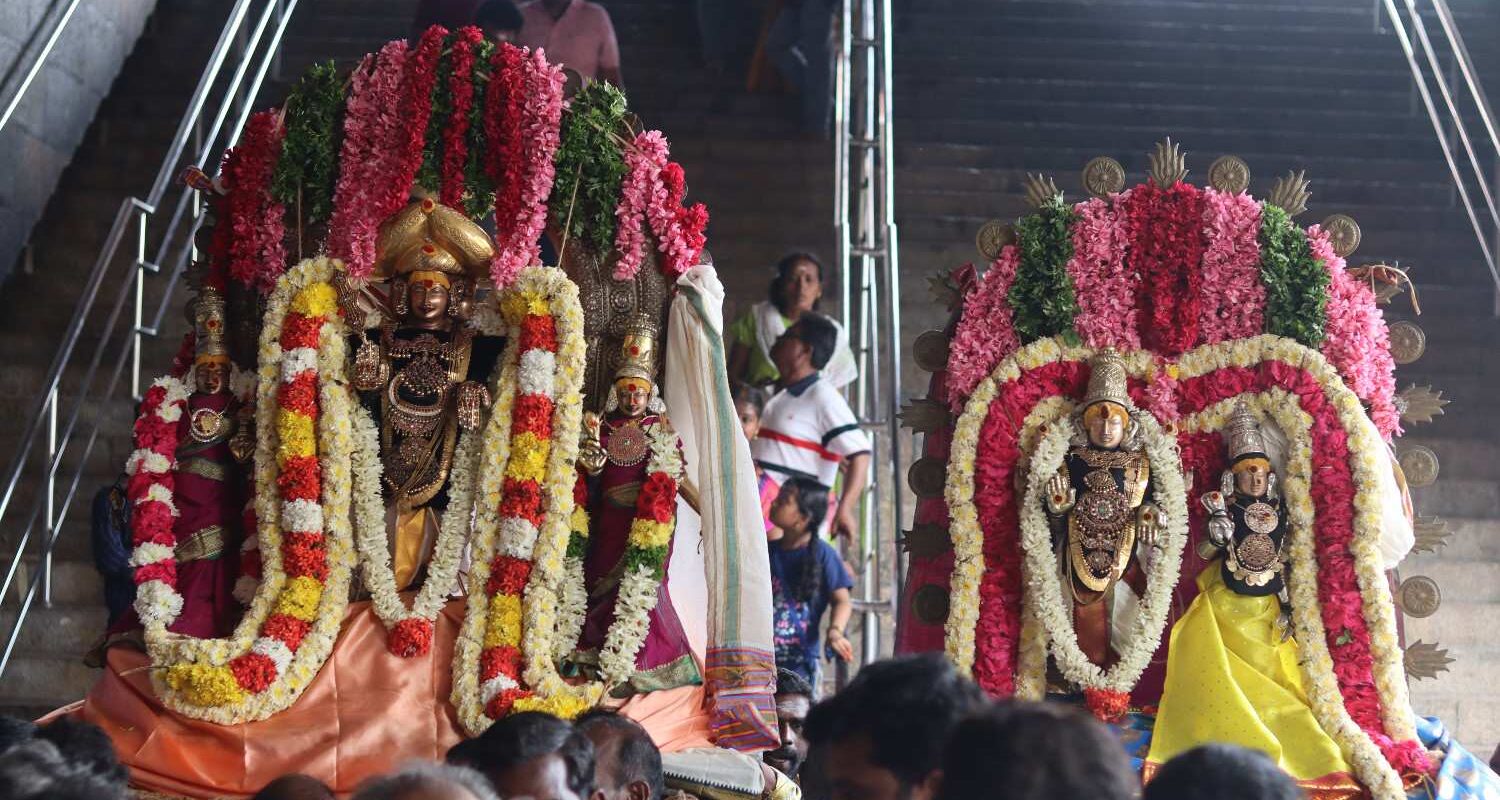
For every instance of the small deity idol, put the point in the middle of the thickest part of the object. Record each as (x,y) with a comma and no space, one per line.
(615,455)
(209,489)
(1245,515)
(424,377)
(1232,669)
(1099,504)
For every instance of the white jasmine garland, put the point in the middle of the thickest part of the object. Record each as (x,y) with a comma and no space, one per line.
(150,553)
(163,495)
(517,537)
(572,608)
(297,361)
(148,461)
(538,369)
(302,516)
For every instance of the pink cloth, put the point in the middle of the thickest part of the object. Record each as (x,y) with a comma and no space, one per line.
(582,39)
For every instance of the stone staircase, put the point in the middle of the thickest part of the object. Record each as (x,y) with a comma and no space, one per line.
(987,91)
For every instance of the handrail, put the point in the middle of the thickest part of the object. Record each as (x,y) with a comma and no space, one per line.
(14,92)
(124,343)
(1464,64)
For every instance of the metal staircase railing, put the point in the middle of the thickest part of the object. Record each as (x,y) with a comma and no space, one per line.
(33,56)
(870,293)
(249,45)
(1444,66)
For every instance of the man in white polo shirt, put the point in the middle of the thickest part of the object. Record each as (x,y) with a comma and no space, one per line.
(808,428)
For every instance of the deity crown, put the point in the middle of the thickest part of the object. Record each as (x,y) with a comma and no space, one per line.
(1107,380)
(1244,434)
(428,236)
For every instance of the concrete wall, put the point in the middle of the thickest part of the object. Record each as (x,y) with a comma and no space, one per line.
(55,112)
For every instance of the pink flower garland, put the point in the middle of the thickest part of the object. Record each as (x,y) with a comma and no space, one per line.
(257,252)
(1356,340)
(1232,303)
(535,100)
(984,334)
(455,133)
(653,189)
(641,189)
(1103,282)
(371,124)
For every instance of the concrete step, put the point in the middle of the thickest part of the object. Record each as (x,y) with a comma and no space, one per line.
(1457,495)
(60,632)
(43,680)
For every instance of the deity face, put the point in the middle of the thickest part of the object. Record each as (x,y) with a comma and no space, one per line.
(427,302)
(211,377)
(633,395)
(1105,423)
(1252,477)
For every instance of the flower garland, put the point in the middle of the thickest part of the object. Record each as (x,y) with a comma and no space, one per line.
(302,505)
(985,333)
(1233,301)
(418,102)
(372,123)
(1165,229)
(678,228)
(1296,284)
(645,555)
(257,253)
(1041,297)
(504,153)
(1356,339)
(1105,285)
(573,600)
(152,470)
(454,135)
(1109,689)
(410,630)
(532,94)
(530,448)
(641,189)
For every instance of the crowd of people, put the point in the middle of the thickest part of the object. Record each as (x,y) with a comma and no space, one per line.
(904,728)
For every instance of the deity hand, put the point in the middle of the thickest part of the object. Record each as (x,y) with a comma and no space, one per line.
(1060,495)
(242,443)
(1220,526)
(473,399)
(591,455)
(1148,525)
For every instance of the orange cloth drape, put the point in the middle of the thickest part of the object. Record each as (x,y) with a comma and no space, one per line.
(366,713)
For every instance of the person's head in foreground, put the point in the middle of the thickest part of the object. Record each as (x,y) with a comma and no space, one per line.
(627,765)
(882,737)
(423,781)
(36,770)
(500,20)
(793,702)
(295,787)
(1221,772)
(1035,751)
(86,746)
(531,754)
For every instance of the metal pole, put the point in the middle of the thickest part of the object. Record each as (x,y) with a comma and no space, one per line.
(893,283)
(51,501)
(36,64)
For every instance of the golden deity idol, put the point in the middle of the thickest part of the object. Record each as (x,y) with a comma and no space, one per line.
(420,374)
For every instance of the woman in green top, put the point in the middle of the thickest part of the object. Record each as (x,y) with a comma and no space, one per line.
(797,289)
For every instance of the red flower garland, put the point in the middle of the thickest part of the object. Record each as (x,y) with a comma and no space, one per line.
(1165,229)
(455,133)
(416,111)
(502,132)
(257,253)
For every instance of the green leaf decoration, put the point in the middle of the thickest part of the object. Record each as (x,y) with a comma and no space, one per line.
(310,149)
(1042,297)
(1296,283)
(479,194)
(590,165)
